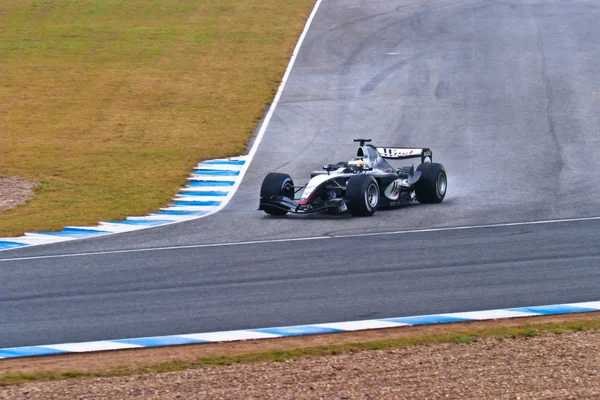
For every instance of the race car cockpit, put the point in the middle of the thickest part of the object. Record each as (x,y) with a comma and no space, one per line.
(371,158)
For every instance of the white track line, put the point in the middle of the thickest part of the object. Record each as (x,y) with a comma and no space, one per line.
(459,228)
(267,241)
(192,246)
(269,115)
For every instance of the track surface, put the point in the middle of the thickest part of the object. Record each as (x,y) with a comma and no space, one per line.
(505,93)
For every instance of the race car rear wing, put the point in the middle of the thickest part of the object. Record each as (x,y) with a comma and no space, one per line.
(401,153)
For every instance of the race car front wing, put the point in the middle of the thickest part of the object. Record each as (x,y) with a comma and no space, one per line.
(287,204)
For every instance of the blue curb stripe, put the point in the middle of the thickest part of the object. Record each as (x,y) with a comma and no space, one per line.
(144,222)
(225,162)
(550,310)
(176,212)
(75,233)
(216,172)
(160,341)
(214,194)
(29,351)
(210,183)
(197,203)
(426,320)
(299,330)
(10,245)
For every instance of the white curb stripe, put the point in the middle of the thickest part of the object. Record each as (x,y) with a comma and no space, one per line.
(362,325)
(229,336)
(589,304)
(202,177)
(89,228)
(118,228)
(204,165)
(492,314)
(189,208)
(30,240)
(47,238)
(203,189)
(199,198)
(92,346)
(167,217)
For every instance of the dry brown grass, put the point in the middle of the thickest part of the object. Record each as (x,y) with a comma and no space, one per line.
(109,104)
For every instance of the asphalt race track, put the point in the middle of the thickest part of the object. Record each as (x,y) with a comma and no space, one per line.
(505,93)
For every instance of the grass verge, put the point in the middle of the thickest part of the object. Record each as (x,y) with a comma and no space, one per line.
(108,104)
(459,334)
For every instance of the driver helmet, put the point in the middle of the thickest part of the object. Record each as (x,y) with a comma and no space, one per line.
(356,165)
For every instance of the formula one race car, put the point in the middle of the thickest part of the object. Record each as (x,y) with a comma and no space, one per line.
(360,185)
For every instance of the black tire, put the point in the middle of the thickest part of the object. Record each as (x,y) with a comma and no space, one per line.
(276,184)
(362,195)
(433,183)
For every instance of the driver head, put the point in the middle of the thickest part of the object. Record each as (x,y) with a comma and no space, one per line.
(356,165)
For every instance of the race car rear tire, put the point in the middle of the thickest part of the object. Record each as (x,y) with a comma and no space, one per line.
(276,184)
(362,195)
(431,186)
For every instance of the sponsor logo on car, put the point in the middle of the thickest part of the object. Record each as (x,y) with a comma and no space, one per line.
(391,152)
(392,192)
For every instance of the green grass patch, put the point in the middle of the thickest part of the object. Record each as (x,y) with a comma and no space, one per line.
(110,103)
(464,338)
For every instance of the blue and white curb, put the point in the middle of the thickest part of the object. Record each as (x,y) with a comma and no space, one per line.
(210,187)
(299,330)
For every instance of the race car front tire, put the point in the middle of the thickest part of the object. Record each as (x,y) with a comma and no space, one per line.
(276,184)
(431,186)
(362,195)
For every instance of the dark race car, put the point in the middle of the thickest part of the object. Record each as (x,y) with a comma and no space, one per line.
(360,185)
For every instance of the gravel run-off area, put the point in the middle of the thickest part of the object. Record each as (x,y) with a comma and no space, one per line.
(14,191)
(549,366)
